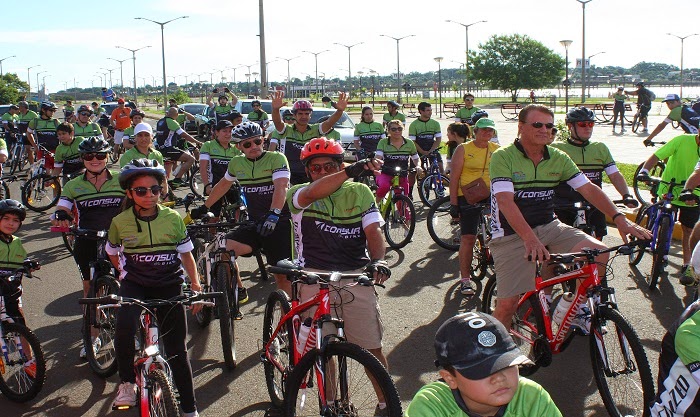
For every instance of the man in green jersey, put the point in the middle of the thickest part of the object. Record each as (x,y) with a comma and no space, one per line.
(168,134)
(25,116)
(425,132)
(67,158)
(682,114)
(223,108)
(84,128)
(393,113)
(9,124)
(258,115)
(478,363)
(464,115)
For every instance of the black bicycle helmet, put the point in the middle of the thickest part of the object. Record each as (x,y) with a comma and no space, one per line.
(639,84)
(579,114)
(94,144)
(478,115)
(48,105)
(139,167)
(84,108)
(246,130)
(287,113)
(137,112)
(14,207)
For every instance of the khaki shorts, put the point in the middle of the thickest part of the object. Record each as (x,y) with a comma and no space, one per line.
(515,275)
(358,306)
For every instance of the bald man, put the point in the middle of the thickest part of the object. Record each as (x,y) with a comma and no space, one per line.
(168,135)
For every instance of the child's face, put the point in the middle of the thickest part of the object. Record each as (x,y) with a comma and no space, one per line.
(485,396)
(148,201)
(64,137)
(9,224)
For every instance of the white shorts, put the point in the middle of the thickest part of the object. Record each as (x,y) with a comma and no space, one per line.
(118,137)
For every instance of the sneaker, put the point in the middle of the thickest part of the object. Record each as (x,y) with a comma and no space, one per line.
(30,368)
(623,130)
(242,295)
(176,182)
(192,414)
(381,412)
(688,277)
(126,395)
(466,288)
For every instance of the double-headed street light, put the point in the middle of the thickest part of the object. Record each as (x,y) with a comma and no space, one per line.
(349,47)
(316,54)
(162,43)
(121,70)
(289,80)
(7,57)
(110,75)
(566,43)
(682,38)
(466,59)
(37,81)
(29,81)
(398,68)
(133,57)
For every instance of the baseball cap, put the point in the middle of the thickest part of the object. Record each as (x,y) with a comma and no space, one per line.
(120,100)
(14,107)
(671,97)
(476,345)
(485,122)
(223,124)
(620,88)
(143,127)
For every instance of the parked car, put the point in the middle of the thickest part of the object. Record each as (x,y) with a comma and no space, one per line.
(194,109)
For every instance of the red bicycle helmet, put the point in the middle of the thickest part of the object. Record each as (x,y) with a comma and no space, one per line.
(321,147)
(302,105)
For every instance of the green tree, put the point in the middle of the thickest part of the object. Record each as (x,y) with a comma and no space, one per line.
(179,96)
(513,62)
(11,88)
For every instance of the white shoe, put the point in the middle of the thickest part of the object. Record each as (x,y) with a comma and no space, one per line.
(192,414)
(126,395)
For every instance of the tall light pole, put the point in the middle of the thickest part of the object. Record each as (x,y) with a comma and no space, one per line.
(466,59)
(100,75)
(29,81)
(255,80)
(398,68)
(162,44)
(37,81)
(133,57)
(234,75)
(263,58)
(316,54)
(583,51)
(247,76)
(682,38)
(289,80)
(121,70)
(43,83)
(589,64)
(349,47)
(566,43)
(110,75)
(439,59)
(7,57)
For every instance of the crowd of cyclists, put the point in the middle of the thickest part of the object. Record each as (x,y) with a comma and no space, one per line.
(310,206)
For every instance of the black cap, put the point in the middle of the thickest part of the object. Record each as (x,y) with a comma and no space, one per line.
(223,124)
(476,345)
(14,107)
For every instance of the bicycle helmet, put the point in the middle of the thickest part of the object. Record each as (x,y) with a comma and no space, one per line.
(139,167)
(84,108)
(137,112)
(302,105)
(287,113)
(392,103)
(478,115)
(321,147)
(639,84)
(48,105)
(579,114)
(246,130)
(94,144)
(14,207)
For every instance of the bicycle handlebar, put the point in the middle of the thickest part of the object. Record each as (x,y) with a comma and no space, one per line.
(293,272)
(78,232)
(184,299)
(25,269)
(568,258)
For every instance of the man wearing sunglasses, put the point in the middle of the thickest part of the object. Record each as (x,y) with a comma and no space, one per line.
(523,224)
(42,131)
(84,128)
(592,158)
(464,115)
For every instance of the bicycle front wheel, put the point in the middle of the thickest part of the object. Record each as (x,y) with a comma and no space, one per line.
(400,222)
(643,220)
(643,191)
(41,192)
(620,366)
(161,397)
(353,380)
(196,184)
(526,329)
(19,382)
(660,251)
(636,122)
(203,318)
(5,190)
(432,188)
(222,277)
(102,323)
(280,350)
(442,228)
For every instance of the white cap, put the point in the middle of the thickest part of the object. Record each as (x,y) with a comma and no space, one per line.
(143,127)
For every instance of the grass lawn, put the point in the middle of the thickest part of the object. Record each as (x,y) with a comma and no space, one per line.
(627,171)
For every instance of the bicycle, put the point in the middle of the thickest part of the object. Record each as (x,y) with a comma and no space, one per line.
(398,213)
(5,187)
(153,373)
(18,154)
(343,376)
(659,217)
(638,120)
(20,381)
(620,366)
(434,185)
(42,190)
(642,190)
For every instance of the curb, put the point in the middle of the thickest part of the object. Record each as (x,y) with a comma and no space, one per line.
(632,214)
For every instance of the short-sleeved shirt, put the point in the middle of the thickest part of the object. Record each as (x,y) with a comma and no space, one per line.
(221,111)
(333,134)
(424,133)
(398,116)
(108,95)
(12,254)
(644,97)
(532,185)
(121,118)
(45,132)
(90,129)
(150,248)
(476,163)
(256,178)
(67,157)
(3,147)
(9,120)
(259,118)
(135,153)
(438,400)
(129,133)
(168,132)
(464,114)
(291,141)
(218,158)
(329,234)
(679,368)
(686,117)
(24,119)
(682,153)
(369,135)
(95,208)
(592,159)
(396,157)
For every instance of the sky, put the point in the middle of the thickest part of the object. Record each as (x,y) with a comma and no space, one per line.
(73,41)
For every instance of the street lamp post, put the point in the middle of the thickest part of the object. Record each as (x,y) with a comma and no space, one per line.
(255,82)
(121,71)
(162,43)
(583,51)
(466,60)
(566,43)
(247,76)
(316,54)
(589,63)
(349,47)
(110,75)
(372,73)
(360,73)
(398,68)
(37,81)
(43,83)
(7,57)
(133,57)
(29,81)
(439,61)
(682,38)
(289,80)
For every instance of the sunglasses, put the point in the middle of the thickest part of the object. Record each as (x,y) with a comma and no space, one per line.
(328,167)
(91,156)
(256,105)
(538,125)
(141,191)
(247,145)
(84,114)
(396,129)
(288,118)
(468,99)
(585,124)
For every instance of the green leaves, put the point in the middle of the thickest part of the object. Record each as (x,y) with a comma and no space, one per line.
(11,88)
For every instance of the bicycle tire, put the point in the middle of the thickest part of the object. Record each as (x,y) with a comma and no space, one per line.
(526,328)
(18,160)
(488,297)
(480,261)
(161,396)
(203,318)
(347,358)
(643,220)
(623,339)
(104,362)
(196,184)
(660,252)
(441,227)
(430,192)
(277,307)
(15,384)
(400,222)
(641,190)
(4,190)
(636,122)
(227,325)
(35,191)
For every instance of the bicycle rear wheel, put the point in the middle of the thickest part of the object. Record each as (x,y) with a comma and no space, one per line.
(441,227)
(103,362)
(488,296)
(16,383)
(660,260)
(643,191)
(222,277)
(280,349)
(643,220)
(161,397)
(636,122)
(41,192)
(620,366)
(4,190)
(196,184)
(432,188)
(351,376)
(480,259)
(400,222)
(526,328)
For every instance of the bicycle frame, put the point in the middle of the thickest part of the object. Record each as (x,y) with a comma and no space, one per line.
(396,189)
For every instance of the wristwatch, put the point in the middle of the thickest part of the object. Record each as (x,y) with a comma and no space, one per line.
(276,211)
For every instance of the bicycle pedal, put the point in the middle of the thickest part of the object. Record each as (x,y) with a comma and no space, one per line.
(122,407)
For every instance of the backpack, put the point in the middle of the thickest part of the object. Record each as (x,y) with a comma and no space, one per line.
(652,96)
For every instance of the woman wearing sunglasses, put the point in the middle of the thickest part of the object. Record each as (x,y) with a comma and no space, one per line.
(145,231)
(396,152)
(98,198)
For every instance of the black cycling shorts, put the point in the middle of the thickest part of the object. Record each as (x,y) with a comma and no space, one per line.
(469,216)
(688,216)
(171,153)
(644,111)
(595,219)
(276,247)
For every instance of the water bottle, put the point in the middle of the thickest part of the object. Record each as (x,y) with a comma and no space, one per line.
(562,307)
(304,331)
